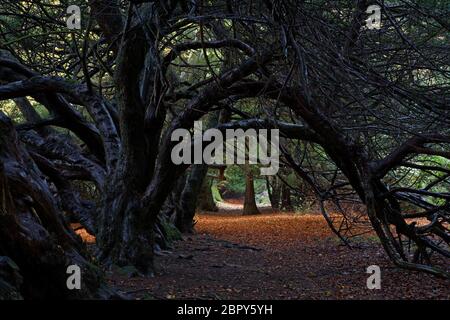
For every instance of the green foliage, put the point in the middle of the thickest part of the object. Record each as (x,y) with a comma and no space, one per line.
(10,110)
(235,179)
(215,192)
(424,179)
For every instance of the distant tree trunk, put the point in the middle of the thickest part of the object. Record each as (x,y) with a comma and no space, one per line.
(273,189)
(195,193)
(250,201)
(221,176)
(205,199)
(286,203)
(185,209)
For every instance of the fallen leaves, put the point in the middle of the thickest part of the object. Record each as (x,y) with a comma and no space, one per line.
(276,256)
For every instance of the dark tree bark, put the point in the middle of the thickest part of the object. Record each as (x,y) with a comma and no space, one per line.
(274,191)
(190,197)
(286,203)
(10,280)
(205,198)
(125,235)
(33,231)
(250,207)
(196,192)
(221,176)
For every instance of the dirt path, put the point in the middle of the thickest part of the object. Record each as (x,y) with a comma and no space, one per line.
(274,256)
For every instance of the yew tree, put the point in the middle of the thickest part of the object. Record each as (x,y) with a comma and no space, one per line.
(363,114)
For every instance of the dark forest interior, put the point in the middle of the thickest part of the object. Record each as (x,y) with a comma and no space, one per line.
(354,95)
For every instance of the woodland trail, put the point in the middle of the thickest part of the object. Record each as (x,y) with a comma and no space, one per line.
(274,256)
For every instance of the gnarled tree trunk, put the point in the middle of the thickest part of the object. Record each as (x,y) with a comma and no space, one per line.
(33,231)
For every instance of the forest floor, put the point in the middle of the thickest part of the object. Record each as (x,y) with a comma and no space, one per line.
(274,256)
